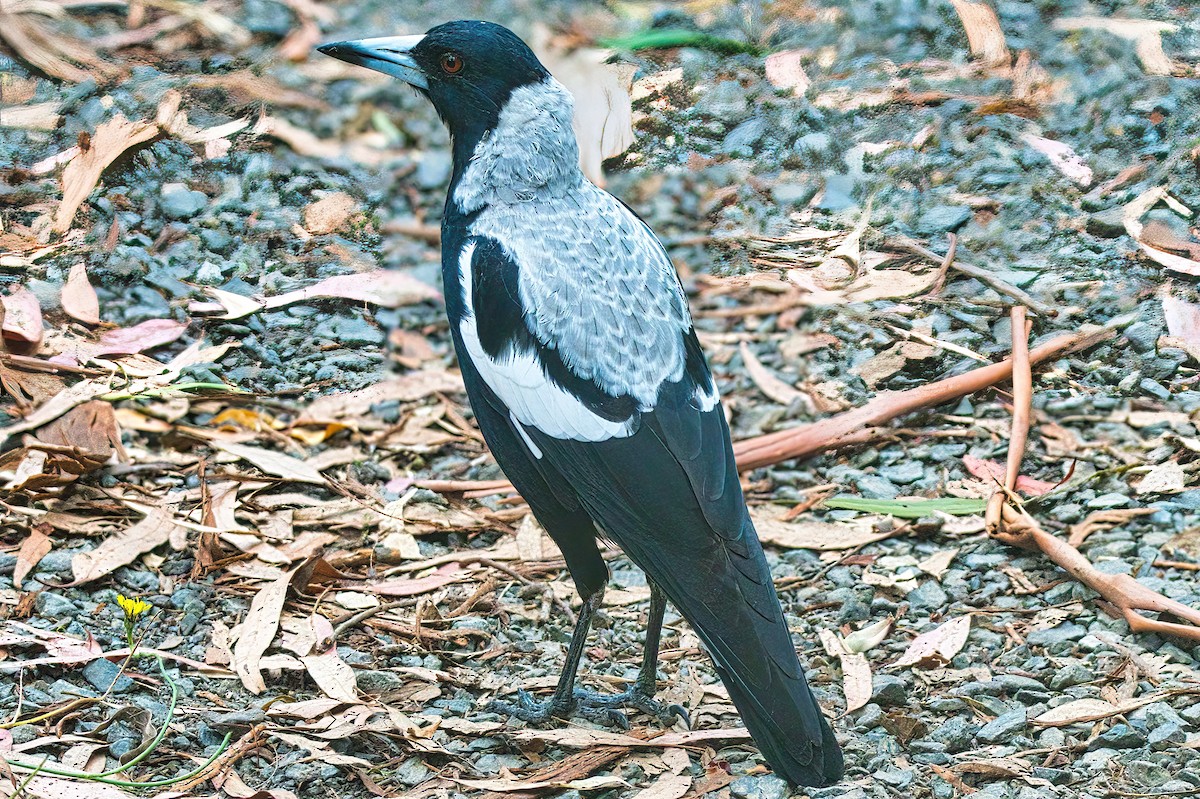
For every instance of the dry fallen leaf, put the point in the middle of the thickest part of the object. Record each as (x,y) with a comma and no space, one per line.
(603,106)
(79,298)
(772,529)
(258,630)
(328,214)
(856,670)
(984,34)
(785,70)
(332,675)
(21,319)
(772,387)
(1063,157)
(1146,34)
(273,463)
(1167,477)
(938,646)
(139,338)
(1076,712)
(110,140)
(122,548)
(35,547)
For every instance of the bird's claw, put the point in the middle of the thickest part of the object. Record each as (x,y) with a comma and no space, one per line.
(604,709)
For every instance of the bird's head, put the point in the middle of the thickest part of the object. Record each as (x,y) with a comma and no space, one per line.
(468,69)
(505,112)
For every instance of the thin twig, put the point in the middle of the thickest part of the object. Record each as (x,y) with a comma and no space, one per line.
(982,275)
(944,269)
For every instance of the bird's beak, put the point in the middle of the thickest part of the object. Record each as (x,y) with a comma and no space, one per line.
(387,54)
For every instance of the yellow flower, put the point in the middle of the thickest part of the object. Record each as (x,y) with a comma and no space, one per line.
(133,607)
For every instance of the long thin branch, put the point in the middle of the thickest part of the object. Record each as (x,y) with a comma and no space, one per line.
(854,426)
(1007,522)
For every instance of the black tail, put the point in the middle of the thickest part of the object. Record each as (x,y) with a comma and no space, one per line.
(757,663)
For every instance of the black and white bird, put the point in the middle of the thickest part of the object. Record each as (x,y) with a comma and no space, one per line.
(585,375)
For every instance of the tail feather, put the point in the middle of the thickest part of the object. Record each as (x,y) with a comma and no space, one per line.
(774,726)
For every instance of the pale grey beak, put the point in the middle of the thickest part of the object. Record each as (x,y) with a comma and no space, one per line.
(386,54)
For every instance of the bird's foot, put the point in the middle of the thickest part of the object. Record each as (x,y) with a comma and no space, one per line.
(600,708)
(634,697)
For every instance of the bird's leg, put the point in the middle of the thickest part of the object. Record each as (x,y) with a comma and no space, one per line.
(641,694)
(603,708)
(563,701)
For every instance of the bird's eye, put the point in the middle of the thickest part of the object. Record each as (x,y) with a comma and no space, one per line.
(452,63)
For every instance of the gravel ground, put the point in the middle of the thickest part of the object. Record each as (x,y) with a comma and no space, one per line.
(898,130)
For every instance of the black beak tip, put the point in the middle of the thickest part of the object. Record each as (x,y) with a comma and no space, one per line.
(331,49)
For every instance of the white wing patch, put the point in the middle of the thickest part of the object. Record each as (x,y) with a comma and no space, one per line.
(517,378)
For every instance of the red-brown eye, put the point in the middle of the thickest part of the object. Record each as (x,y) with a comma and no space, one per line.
(452,64)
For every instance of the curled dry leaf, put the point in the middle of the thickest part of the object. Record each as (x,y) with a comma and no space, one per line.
(993,473)
(603,106)
(984,34)
(1183,324)
(22,317)
(938,646)
(384,287)
(332,675)
(82,173)
(79,298)
(1078,711)
(856,670)
(1146,34)
(785,70)
(139,338)
(35,547)
(771,386)
(1167,477)
(868,637)
(1063,157)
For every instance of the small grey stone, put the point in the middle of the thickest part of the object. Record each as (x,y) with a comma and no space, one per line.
(1053,775)
(904,473)
(928,596)
(1107,224)
(741,140)
(101,673)
(813,143)
(793,193)
(433,170)
(726,101)
(897,778)
(1068,631)
(378,682)
(1003,727)
(888,690)
(1069,675)
(54,606)
(1160,713)
(955,733)
(1110,500)
(874,486)
(943,219)
(56,562)
(767,786)
(1119,736)
(180,202)
(1146,774)
(1166,736)
(839,193)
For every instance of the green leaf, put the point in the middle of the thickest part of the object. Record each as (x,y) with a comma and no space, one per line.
(908,508)
(677,37)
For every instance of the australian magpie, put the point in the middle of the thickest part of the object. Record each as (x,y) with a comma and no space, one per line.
(589,385)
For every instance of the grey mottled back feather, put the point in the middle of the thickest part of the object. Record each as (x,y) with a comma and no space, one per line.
(595,282)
